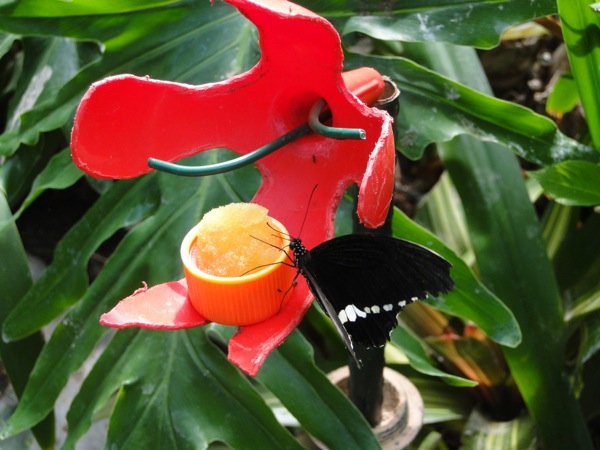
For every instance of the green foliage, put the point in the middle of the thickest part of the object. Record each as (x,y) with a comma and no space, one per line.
(18,358)
(580,25)
(564,97)
(477,24)
(527,292)
(571,182)
(498,211)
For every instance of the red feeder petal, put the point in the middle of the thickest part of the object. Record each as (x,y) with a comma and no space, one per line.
(301,62)
(162,307)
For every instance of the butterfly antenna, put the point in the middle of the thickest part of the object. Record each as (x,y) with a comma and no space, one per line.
(307,209)
(265,265)
(278,231)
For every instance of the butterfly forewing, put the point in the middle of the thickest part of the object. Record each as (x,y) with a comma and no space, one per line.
(365,280)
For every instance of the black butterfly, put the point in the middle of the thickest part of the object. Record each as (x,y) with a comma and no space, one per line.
(362,281)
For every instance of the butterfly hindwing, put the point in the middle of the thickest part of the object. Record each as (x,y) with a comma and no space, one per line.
(363,281)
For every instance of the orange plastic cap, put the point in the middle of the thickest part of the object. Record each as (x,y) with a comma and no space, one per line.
(235,265)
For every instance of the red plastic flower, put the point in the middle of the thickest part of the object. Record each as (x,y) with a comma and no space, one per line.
(301,62)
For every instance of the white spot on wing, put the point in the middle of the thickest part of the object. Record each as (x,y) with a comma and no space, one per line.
(375,309)
(387,307)
(353,313)
(359,313)
(342,316)
(402,303)
(350,313)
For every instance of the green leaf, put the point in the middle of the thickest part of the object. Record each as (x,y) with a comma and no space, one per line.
(148,252)
(59,173)
(470,299)
(591,336)
(442,213)
(580,30)
(6,42)
(571,182)
(176,390)
(512,261)
(182,393)
(482,433)
(10,67)
(118,362)
(66,280)
(305,391)
(41,8)
(436,109)
(477,23)
(564,95)
(18,172)
(585,304)
(442,402)
(18,358)
(577,264)
(556,223)
(433,440)
(419,360)
(49,63)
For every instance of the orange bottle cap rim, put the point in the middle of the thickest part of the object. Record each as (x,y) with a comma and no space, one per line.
(241,300)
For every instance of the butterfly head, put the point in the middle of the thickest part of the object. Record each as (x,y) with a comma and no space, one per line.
(299,250)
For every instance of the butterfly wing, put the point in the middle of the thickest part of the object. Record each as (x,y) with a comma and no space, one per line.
(363,281)
(328,307)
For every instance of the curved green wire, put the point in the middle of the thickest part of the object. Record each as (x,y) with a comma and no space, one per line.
(331,132)
(313,124)
(226,166)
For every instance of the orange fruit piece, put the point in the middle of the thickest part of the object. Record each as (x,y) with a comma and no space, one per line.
(236,239)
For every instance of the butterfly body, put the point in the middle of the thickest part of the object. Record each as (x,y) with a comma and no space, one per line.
(362,281)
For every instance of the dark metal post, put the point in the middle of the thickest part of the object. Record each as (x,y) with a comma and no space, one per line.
(365,385)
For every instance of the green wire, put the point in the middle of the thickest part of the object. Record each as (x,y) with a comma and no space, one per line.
(313,124)
(331,132)
(226,166)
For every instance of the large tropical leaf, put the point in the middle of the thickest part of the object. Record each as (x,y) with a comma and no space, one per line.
(66,280)
(149,252)
(419,359)
(477,23)
(436,109)
(498,211)
(37,8)
(49,63)
(59,173)
(580,30)
(18,358)
(321,408)
(176,390)
(571,182)
(470,299)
